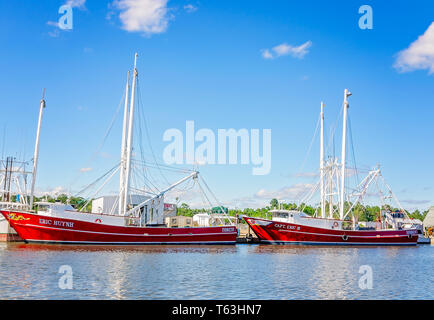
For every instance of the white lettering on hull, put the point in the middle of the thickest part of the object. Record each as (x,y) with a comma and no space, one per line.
(56,223)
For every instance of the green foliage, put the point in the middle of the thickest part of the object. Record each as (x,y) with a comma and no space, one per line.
(360,212)
(418,215)
(274,203)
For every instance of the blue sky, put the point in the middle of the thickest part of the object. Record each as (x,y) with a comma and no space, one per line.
(204,61)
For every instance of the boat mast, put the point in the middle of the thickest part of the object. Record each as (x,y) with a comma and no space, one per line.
(321,163)
(330,168)
(130,137)
(36,154)
(344,141)
(123,149)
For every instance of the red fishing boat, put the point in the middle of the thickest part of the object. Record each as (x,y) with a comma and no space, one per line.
(332,224)
(137,216)
(78,228)
(307,230)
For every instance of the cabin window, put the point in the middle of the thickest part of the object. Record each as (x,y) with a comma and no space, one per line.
(283,215)
(43,208)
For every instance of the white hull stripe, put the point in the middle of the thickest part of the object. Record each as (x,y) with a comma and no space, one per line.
(125,242)
(349,236)
(130,234)
(341,243)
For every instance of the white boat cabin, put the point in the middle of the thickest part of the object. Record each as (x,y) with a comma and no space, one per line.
(297,217)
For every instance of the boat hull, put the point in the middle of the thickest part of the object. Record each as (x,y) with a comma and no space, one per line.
(33,227)
(269,231)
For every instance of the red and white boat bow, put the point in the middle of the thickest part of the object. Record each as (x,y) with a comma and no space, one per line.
(314,231)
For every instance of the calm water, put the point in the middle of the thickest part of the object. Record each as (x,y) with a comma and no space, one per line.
(215,272)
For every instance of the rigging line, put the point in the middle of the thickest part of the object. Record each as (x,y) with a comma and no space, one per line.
(99,189)
(166,167)
(147,130)
(204,202)
(94,155)
(310,147)
(97,180)
(140,134)
(331,142)
(352,148)
(4,141)
(217,201)
(149,179)
(144,191)
(204,194)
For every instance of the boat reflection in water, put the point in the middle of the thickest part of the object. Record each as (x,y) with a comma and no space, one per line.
(215,272)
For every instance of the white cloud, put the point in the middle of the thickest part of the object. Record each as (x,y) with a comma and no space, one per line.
(294,192)
(266,54)
(54,34)
(53,23)
(190,8)
(76,3)
(285,49)
(146,16)
(52,192)
(85,169)
(419,55)
(412,201)
(307,175)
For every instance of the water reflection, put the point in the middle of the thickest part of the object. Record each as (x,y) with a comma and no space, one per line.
(30,271)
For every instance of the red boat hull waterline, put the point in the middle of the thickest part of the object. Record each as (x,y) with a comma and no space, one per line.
(38,228)
(277,232)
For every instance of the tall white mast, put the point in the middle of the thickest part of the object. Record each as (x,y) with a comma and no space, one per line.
(344,141)
(36,154)
(330,170)
(123,149)
(321,163)
(130,137)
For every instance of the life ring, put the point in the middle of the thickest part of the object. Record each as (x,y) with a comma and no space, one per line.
(335,224)
(98,221)
(345,237)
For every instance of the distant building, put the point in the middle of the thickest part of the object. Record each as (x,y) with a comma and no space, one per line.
(428,222)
